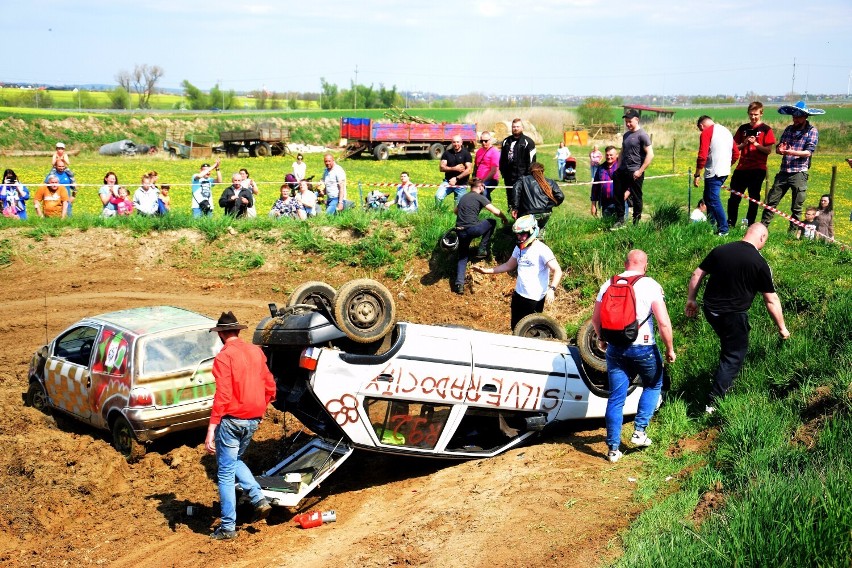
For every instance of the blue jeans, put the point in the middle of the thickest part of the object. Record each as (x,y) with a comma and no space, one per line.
(484,229)
(593,170)
(715,211)
(489,185)
(196,212)
(622,364)
(445,189)
(331,205)
(560,167)
(233,436)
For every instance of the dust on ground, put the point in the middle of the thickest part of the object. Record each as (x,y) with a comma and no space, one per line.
(66,497)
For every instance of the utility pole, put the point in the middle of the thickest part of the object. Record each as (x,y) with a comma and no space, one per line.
(793,87)
(355,90)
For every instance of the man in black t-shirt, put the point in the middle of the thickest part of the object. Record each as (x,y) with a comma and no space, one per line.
(456,165)
(737,272)
(469,226)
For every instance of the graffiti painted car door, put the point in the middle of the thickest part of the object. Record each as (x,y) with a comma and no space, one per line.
(68,375)
(518,374)
(404,401)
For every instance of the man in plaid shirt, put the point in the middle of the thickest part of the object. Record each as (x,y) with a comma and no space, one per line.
(797,145)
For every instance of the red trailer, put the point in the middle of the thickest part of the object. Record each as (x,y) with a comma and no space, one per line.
(383,138)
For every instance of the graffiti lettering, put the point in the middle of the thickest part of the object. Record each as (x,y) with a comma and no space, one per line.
(420,431)
(344,409)
(498,392)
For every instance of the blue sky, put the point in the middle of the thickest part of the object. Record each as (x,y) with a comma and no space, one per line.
(579,47)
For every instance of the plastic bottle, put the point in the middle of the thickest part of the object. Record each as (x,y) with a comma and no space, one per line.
(314,519)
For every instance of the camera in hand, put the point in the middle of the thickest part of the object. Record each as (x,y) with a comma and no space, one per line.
(751,132)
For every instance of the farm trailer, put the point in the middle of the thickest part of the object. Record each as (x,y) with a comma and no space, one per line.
(260,142)
(382,138)
(177,145)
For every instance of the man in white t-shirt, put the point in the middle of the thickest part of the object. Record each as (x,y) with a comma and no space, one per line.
(334,179)
(642,357)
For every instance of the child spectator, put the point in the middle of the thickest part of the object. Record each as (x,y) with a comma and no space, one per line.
(810,228)
(287,206)
(825,218)
(699,214)
(165,200)
(60,155)
(122,202)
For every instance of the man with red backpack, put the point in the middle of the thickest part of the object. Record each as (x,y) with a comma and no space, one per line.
(623,322)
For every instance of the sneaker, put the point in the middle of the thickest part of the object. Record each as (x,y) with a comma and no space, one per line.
(223,534)
(617,226)
(261,510)
(480,255)
(725,234)
(614,455)
(458,289)
(709,409)
(641,439)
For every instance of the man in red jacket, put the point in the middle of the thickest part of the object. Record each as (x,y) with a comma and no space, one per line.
(244,387)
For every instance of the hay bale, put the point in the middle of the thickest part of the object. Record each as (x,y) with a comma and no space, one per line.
(503,128)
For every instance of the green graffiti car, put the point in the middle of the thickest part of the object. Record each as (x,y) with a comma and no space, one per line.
(139,373)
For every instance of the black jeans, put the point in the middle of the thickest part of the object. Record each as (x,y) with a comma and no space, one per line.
(745,181)
(623,181)
(733,329)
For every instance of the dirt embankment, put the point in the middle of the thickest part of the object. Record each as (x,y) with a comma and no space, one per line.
(66,497)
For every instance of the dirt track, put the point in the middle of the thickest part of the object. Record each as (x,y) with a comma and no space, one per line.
(66,497)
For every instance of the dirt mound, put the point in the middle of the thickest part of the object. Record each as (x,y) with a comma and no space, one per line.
(66,497)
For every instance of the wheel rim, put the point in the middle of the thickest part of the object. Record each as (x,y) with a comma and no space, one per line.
(540,331)
(365,311)
(123,438)
(39,400)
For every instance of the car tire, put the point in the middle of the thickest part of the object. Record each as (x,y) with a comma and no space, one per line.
(587,342)
(364,310)
(436,150)
(315,293)
(124,440)
(37,397)
(540,326)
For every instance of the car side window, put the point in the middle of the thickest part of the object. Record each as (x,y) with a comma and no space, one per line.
(75,346)
(404,423)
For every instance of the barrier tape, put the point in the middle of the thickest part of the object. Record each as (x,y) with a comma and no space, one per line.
(795,222)
(561,183)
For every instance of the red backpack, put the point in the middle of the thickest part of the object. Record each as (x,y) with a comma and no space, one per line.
(619,325)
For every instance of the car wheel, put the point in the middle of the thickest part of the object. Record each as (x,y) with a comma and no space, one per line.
(37,397)
(436,150)
(364,310)
(125,441)
(587,342)
(315,293)
(540,326)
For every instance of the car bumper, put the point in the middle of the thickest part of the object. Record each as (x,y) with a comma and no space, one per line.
(151,423)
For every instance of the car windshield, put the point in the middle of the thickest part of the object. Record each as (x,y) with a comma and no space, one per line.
(185,350)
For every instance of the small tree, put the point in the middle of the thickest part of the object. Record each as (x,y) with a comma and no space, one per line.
(143,81)
(595,111)
(119,98)
(195,98)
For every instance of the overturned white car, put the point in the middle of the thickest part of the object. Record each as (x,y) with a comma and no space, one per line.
(359,379)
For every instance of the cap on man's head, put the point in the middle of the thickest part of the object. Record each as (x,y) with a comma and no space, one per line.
(60,145)
(228,322)
(205,165)
(630,113)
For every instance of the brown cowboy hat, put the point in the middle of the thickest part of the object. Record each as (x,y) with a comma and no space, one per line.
(228,322)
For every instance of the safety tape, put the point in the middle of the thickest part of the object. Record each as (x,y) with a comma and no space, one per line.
(563,183)
(795,222)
